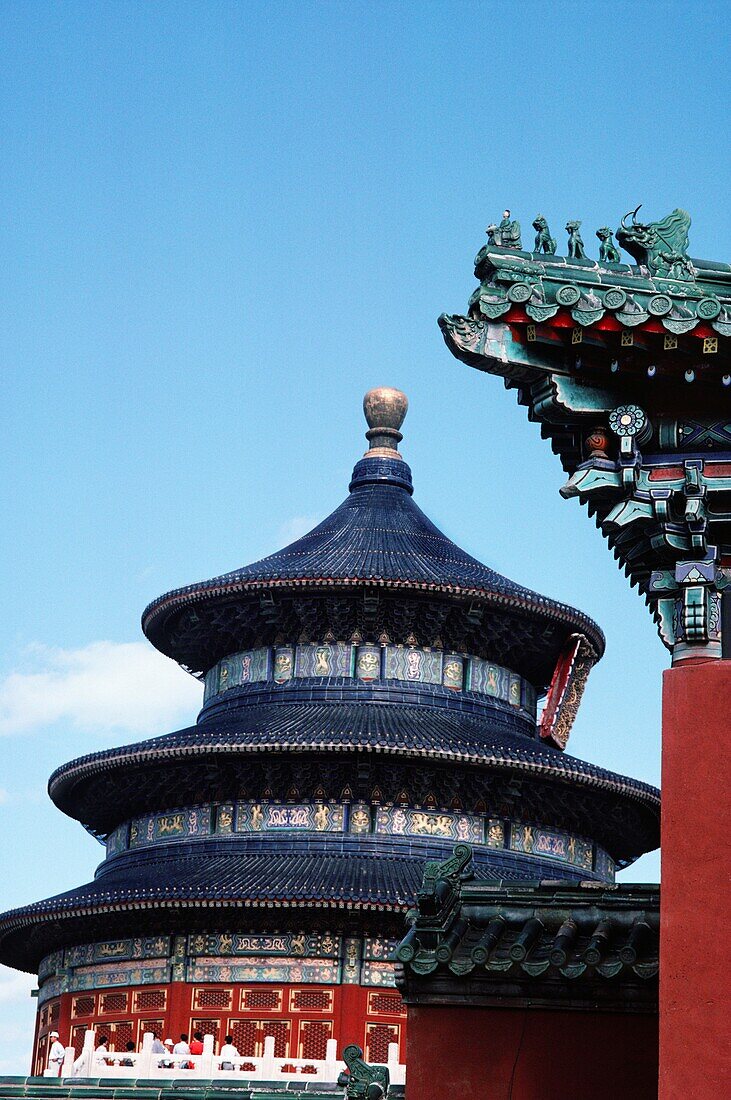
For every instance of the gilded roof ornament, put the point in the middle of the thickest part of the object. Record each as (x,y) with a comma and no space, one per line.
(385,409)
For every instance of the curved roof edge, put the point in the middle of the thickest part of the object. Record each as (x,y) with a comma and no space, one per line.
(377,537)
(385,729)
(360,882)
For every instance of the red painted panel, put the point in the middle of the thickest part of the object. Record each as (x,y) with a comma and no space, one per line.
(531,1054)
(348,1013)
(695,952)
(667,473)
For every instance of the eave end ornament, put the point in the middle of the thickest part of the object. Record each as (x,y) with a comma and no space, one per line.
(661,247)
(363,1081)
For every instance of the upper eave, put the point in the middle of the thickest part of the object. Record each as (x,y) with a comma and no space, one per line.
(600,288)
(377,539)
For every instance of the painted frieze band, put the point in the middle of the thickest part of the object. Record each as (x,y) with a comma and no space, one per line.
(554,845)
(314,958)
(357,818)
(310,945)
(369,663)
(264,969)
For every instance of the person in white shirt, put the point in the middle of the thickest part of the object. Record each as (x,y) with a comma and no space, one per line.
(102,1051)
(56,1054)
(228,1051)
(183,1048)
(167,1063)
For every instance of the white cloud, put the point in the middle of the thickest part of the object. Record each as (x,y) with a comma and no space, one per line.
(101,687)
(15,986)
(17,1019)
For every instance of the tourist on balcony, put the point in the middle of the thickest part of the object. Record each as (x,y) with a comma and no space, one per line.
(182,1047)
(102,1051)
(129,1048)
(228,1051)
(158,1046)
(196,1046)
(56,1054)
(167,1063)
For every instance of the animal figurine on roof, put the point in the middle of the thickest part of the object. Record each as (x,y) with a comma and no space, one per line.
(608,251)
(576,244)
(544,241)
(363,1082)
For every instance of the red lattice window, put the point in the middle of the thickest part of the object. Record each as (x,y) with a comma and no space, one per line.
(44,1017)
(112,1002)
(208,1027)
(54,1011)
(246,1034)
(83,1006)
(155,1026)
(121,1034)
(378,1036)
(280,1029)
(314,1035)
(249,1036)
(77,1039)
(145,999)
(308,1000)
(41,1056)
(389,1004)
(212,998)
(268,999)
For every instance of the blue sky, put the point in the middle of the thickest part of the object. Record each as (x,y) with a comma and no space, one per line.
(221,223)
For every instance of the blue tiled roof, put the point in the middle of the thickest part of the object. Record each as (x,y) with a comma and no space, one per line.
(365,880)
(388,728)
(378,535)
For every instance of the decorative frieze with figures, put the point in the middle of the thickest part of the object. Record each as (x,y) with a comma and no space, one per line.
(355,819)
(370,663)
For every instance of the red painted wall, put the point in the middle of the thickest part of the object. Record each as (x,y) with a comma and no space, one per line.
(301,1018)
(530,1054)
(695,956)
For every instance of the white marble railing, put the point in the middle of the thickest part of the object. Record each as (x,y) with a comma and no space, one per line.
(266,1067)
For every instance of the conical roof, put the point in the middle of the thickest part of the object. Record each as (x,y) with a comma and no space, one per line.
(377,538)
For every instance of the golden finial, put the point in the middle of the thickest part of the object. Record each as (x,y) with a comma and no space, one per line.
(385,409)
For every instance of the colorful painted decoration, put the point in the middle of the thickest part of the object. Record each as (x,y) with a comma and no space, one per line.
(368,663)
(283,664)
(398,821)
(255,817)
(549,843)
(359,818)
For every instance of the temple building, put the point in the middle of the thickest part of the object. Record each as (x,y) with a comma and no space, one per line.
(373,695)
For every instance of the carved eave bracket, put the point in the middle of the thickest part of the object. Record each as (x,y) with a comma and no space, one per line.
(647,453)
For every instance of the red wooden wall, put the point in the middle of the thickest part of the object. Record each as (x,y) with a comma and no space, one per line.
(301,1018)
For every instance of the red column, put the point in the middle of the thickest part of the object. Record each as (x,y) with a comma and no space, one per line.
(178,1012)
(694,935)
